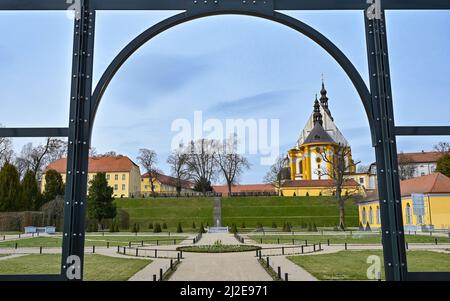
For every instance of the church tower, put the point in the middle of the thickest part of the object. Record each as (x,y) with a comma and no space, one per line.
(319,137)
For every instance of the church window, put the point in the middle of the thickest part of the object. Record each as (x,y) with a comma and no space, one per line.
(370,215)
(364,217)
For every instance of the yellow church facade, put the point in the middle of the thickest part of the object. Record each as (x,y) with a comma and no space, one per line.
(311,159)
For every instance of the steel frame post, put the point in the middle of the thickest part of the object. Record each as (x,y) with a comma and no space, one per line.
(79,142)
(386,149)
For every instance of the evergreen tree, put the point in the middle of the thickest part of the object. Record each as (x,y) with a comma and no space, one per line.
(150,225)
(54,185)
(164,225)
(30,194)
(443,165)
(274,225)
(10,191)
(100,200)
(201,229)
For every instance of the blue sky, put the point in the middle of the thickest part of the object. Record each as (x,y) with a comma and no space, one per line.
(227,67)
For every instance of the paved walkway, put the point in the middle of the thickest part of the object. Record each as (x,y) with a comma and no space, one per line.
(220,267)
(295,273)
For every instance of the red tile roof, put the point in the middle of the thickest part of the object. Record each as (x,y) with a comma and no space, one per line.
(421,157)
(244,188)
(317,183)
(98,164)
(433,183)
(171,181)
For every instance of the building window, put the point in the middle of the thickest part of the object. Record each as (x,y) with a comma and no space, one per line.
(364,217)
(107,177)
(408,219)
(361,180)
(370,215)
(422,173)
(124,176)
(378,216)
(116,187)
(116,177)
(123,186)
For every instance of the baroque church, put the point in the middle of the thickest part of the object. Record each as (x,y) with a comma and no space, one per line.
(311,158)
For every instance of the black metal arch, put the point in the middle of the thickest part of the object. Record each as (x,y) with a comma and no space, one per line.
(277,17)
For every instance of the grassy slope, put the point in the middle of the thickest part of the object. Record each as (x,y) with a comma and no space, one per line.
(168,210)
(322,211)
(99,241)
(97,267)
(352,265)
(341,239)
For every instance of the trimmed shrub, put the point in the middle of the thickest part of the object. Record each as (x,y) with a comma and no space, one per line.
(164,225)
(179,228)
(274,225)
(157,228)
(123,219)
(150,225)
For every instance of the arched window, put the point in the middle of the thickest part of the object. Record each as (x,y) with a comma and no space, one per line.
(408,219)
(370,215)
(378,215)
(364,217)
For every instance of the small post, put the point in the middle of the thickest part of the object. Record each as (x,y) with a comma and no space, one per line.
(157,242)
(286,278)
(279,273)
(328,242)
(156,253)
(303,250)
(93,249)
(129,244)
(293,242)
(160,274)
(181,254)
(174,241)
(40,250)
(261,239)
(256,253)
(436,241)
(282,250)
(407,246)
(314,247)
(306,242)
(278,240)
(178,257)
(260,255)
(142,243)
(171,264)
(137,252)
(345,246)
(107,244)
(118,249)
(268,264)
(154,277)
(15,246)
(124,250)
(193,240)
(320,246)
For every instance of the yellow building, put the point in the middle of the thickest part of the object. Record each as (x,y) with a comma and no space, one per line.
(163,185)
(122,173)
(425,204)
(310,160)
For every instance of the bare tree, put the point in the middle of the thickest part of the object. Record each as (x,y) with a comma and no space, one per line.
(201,163)
(231,163)
(148,159)
(442,147)
(340,164)
(178,166)
(37,158)
(406,167)
(92,152)
(6,151)
(362,168)
(277,173)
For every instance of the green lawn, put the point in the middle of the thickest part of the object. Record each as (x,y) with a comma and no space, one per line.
(98,241)
(352,265)
(341,239)
(97,267)
(322,211)
(168,210)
